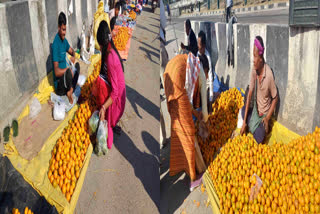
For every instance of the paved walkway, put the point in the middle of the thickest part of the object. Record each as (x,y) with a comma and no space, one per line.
(127,179)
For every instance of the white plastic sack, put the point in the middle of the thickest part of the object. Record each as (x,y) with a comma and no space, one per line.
(240,120)
(93,122)
(101,139)
(70,10)
(81,80)
(91,43)
(35,108)
(59,111)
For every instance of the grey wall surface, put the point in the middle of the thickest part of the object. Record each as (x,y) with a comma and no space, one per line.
(243,56)
(222,46)
(277,58)
(22,52)
(292,53)
(84,11)
(52,18)
(73,27)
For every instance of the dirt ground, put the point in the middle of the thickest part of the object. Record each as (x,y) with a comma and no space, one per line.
(34,132)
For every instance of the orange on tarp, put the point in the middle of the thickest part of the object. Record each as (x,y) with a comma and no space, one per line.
(124,54)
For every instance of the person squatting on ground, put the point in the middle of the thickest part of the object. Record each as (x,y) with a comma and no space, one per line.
(64,77)
(265,96)
(109,88)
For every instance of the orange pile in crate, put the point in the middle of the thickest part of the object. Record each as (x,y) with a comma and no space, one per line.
(132,15)
(70,150)
(121,38)
(221,123)
(86,88)
(290,175)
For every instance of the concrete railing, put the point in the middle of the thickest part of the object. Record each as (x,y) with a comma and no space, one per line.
(292,53)
(27,30)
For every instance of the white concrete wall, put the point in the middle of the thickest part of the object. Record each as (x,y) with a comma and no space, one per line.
(39,34)
(300,100)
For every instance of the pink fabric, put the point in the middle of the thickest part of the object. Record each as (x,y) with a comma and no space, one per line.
(118,94)
(259,46)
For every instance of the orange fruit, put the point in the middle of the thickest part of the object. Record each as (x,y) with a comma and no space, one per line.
(68,196)
(51,179)
(61,183)
(52,168)
(60,171)
(64,188)
(49,173)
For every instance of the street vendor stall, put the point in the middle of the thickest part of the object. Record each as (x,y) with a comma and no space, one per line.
(243,176)
(57,172)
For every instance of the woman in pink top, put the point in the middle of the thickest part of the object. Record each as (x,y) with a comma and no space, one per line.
(110,88)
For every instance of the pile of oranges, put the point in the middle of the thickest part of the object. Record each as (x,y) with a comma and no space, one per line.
(290,175)
(132,15)
(26,211)
(69,153)
(86,88)
(121,38)
(221,123)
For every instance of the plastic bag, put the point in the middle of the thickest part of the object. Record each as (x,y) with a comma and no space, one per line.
(81,80)
(93,122)
(59,111)
(101,139)
(256,188)
(240,120)
(35,108)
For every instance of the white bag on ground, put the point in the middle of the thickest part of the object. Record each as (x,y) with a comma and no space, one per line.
(101,139)
(59,111)
(93,122)
(35,108)
(81,80)
(240,120)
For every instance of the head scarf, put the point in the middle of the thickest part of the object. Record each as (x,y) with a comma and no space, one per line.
(259,46)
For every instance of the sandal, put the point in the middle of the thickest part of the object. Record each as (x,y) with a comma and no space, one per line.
(117,129)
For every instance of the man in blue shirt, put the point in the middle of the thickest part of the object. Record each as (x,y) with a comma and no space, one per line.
(65,79)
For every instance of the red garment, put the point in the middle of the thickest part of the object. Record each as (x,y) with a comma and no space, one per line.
(116,90)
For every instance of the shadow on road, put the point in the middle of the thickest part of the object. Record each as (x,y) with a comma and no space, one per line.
(137,99)
(173,189)
(151,143)
(144,28)
(158,20)
(157,26)
(146,166)
(139,40)
(149,53)
(171,40)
